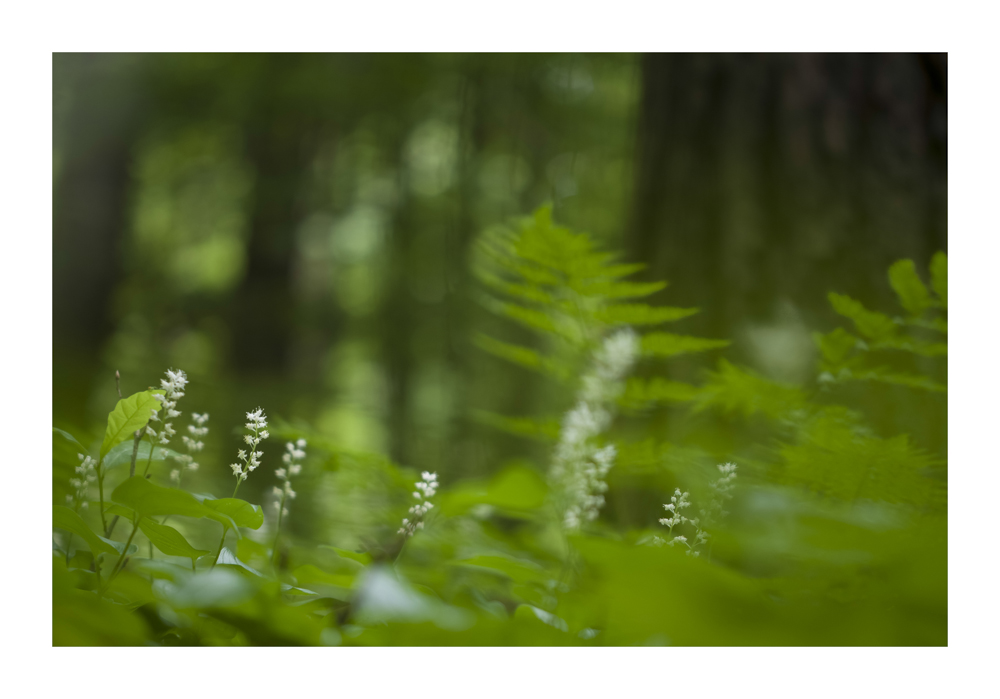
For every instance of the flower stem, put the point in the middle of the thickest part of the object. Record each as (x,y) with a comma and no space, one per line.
(225,530)
(277,533)
(100,490)
(115,570)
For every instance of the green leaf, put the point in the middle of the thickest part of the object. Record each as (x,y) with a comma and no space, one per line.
(70,438)
(129,415)
(121,454)
(529,317)
(641,314)
(311,575)
(150,500)
(639,392)
(228,558)
(518,570)
(836,345)
(362,558)
(169,540)
(541,429)
(883,375)
(939,277)
(669,345)
(522,356)
(517,490)
(871,324)
(65,518)
(908,344)
(913,295)
(740,390)
(111,508)
(81,618)
(620,290)
(243,513)
(119,546)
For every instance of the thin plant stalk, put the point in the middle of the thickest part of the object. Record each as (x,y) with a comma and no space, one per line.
(116,569)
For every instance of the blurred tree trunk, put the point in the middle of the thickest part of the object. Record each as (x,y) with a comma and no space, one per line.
(777,176)
(281,141)
(99,107)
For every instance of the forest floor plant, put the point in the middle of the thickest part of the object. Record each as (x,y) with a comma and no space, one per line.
(836,534)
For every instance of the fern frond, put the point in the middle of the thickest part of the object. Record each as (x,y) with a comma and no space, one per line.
(546,430)
(640,393)
(659,344)
(735,390)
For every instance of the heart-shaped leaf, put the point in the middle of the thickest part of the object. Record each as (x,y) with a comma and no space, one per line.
(121,454)
(65,518)
(151,500)
(169,540)
(243,513)
(129,415)
(119,546)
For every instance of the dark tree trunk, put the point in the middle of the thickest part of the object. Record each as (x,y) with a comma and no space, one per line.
(93,137)
(776,176)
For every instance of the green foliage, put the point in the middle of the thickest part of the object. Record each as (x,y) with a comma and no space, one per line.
(169,540)
(121,455)
(568,289)
(131,414)
(68,520)
(147,499)
(836,533)
(882,355)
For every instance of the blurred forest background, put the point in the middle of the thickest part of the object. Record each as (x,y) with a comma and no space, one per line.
(295,231)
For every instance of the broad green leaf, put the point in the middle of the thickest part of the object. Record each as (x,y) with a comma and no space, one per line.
(939,277)
(668,344)
(111,508)
(150,500)
(518,570)
(81,618)
(362,558)
(65,518)
(119,546)
(121,454)
(311,575)
(129,415)
(243,513)
(871,324)
(219,587)
(228,558)
(169,540)
(517,487)
(517,490)
(641,314)
(912,293)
